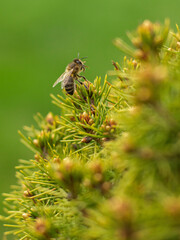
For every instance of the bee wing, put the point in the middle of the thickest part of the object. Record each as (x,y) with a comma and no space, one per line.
(62,77)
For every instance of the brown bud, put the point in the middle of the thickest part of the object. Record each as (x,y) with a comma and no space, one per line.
(25,215)
(68,164)
(59,175)
(72,118)
(134,62)
(121,208)
(41,226)
(178,44)
(106,186)
(105,139)
(37,157)
(84,116)
(36,142)
(96,167)
(87,183)
(49,118)
(141,54)
(103,126)
(144,94)
(112,122)
(91,121)
(108,128)
(98,177)
(27,193)
(86,140)
(56,160)
(128,146)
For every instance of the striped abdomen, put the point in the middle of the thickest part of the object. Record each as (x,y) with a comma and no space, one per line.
(69,85)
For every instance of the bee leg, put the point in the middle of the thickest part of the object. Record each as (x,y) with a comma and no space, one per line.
(81,82)
(82,77)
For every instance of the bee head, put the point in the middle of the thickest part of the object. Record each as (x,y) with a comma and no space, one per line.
(80,64)
(78,61)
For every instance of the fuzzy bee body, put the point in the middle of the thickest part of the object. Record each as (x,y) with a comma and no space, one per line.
(69,85)
(70,75)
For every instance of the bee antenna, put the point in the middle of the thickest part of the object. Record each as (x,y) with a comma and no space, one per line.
(83,58)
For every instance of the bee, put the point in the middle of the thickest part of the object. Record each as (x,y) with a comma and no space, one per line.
(70,75)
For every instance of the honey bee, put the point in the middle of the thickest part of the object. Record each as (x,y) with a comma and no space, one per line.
(70,75)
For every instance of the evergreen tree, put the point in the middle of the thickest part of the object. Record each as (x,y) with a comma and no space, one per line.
(107,167)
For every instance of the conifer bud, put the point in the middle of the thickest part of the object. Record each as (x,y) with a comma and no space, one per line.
(103,126)
(27,193)
(106,186)
(121,208)
(56,160)
(68,164)
(41,226)
(134,62)
(96,167)
(37,157)
(84,117)
(141,54)
(112,122)
(72,118)
(97,177)
(25,215)
(144,94)
(36,142)
(87,183)
(59,175)
(128,145)
(90,121)
(105,139)
(50,118)
(108,128)
(86,140)
(178,44)
(146,27)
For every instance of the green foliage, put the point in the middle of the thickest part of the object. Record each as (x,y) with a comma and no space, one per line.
(108,166)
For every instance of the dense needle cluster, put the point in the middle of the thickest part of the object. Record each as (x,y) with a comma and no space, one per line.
(107,166)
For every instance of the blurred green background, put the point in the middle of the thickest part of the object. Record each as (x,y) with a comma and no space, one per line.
(38,38)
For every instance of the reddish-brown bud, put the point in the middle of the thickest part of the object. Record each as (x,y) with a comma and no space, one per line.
(27,193)
(41,226)
(49,118)
(86,140)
